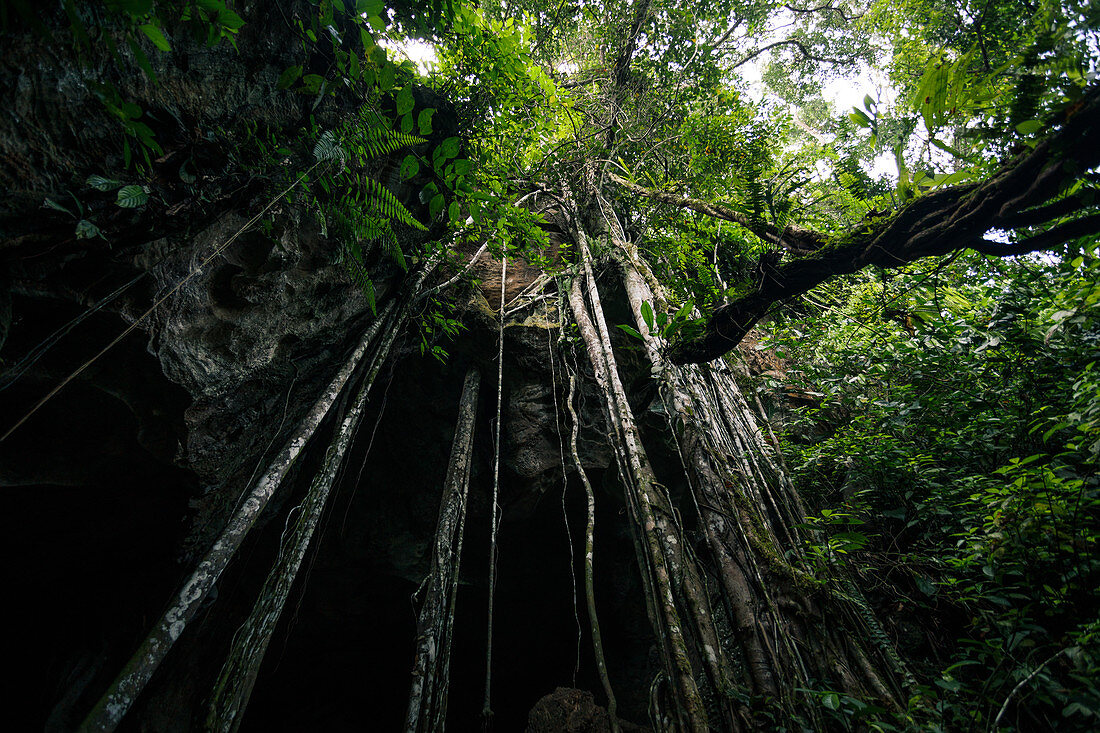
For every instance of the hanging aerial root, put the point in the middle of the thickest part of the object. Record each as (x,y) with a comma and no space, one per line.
(660,540)
(494,509)
(129,684)
(749,512)
(126,688)
(242,665)
(589,562)
(427,710)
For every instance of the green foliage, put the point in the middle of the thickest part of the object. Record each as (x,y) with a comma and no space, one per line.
(951,448)
(439,325)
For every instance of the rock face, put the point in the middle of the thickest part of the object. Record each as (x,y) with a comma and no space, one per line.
(572,711)
(133,468)
(54,128)
(126,475)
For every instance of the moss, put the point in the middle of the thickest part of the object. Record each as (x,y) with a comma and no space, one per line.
(766,549)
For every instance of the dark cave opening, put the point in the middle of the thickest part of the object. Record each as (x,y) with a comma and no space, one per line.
(343,652)
(102,521)
(94,506)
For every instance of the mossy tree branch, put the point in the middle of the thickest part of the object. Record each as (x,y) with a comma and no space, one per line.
(1023,193)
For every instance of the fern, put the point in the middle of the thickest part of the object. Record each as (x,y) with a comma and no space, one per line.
(327,148)
(379,142)
(382,200)
(355,263)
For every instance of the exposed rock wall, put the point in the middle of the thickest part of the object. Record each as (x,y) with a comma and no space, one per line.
(130,470)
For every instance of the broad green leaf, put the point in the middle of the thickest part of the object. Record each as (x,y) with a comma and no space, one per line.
(311,83)
(424,121)
(448,148)
(288,77)
(132,196)
(405,101)
(1030,127)
(386,80)
(87,230)
(410,166)
(142,60)
(436,205)
(156,35)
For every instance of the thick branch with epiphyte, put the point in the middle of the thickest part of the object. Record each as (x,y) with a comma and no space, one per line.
(1024,196)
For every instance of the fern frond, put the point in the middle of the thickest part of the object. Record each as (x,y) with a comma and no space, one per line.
(382,200)
(328,148)
(379,142)
(355,264)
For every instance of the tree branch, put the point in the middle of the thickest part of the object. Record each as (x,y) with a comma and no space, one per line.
(943,221)
(824,8)
(1045,240)
(794,238)
(788,42)
(1043,214)
(620,71)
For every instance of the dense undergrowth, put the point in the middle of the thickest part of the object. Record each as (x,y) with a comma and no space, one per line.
(950,455)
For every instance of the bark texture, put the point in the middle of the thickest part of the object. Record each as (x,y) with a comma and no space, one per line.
(435,623)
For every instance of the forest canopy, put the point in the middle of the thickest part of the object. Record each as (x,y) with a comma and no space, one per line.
(892,206)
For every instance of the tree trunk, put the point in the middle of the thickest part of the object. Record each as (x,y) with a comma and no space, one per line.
(749,513)
(431,668)
(661,554)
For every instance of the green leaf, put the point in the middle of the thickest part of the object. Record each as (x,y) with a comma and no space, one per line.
(410,166)
(142,60)
(424,121)
(948,149)
(132,196)
(405,101)
(831,701)
(647,315)
(288,77)
(51,204)
(156,35)
(859,117)
(454,212)
(1030,127)
(387,77)
(436,205)
(448,148)
(87,230)
(311,83)
(100,183)
(630,330)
